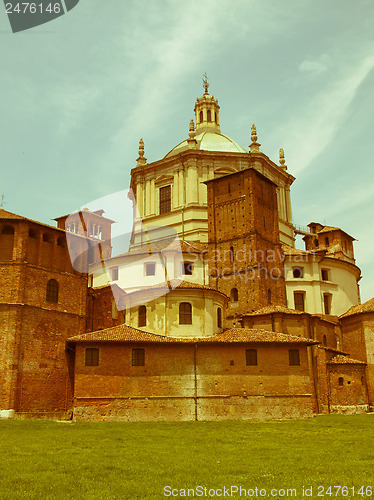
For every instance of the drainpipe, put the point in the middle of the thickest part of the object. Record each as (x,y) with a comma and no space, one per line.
(195,380)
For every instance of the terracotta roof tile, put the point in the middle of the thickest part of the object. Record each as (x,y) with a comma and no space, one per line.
(126,333)
(288,250)
(340,359)
(274,309)
(174,284)
(366,307)
(173,246)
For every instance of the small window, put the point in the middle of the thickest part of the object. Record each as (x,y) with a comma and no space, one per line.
(269,296)
(92,357)
(251,357)
(209,115)
(47,238)
(124,315)
(228,188)
(327,303)
(33,234)
(325,274)
(61,242)
(52,291)
(142,316)
(316,244)
(324,340)
(294,357)
(90,280)
(150,268)
(298,272)
(138,357)
(114,274)
(299,301)
(185,313)
(234,296)
(341,381)
(165,199)
(232,254)
(327,241)
(187,268)
(201,116)
(219,317)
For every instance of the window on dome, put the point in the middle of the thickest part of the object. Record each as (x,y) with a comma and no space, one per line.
(327,302)
(201,116)
(219,317)
(209,115)
(298,272)
(165,200)
(185,313)
(187,268)
(142,316)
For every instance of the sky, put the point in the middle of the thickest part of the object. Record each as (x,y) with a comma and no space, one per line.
(79,92)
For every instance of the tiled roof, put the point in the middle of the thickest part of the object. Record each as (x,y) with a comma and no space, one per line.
(288,250)
(126,333)
(174,246)
(361,308)
(340,359)
(327,229)
(274,309)
(4,214)
(176,283)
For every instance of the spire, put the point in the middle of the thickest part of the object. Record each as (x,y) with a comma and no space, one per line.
(282,161)
(205,83)
(141,160)
(254,146)
(206,111)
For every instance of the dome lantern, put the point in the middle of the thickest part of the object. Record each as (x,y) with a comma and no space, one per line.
(206,111)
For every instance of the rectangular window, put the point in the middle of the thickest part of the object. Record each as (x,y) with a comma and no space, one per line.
(294,357)
(325,274)
(138,357)
(165,199)
(251,357)
(92,357)
(150,268)
(187,268)
(327,303)
(114,273)
(299,300)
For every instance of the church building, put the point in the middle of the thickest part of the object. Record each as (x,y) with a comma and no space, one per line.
(211,313)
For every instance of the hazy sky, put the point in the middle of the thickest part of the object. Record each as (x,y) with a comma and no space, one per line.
(78,93)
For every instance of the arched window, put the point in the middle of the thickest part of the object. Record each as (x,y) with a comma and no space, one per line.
(142,316)
(209,115)
(201,116)
(33,234)
(61,242)
(219,317)
(232,254)
(341,381)
(47,238)
(185,313)
(6,243)
(52,291)
(251,357)
(324,341)
(234,296)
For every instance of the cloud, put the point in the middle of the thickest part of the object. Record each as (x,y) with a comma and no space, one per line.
(324,114)
(316,66)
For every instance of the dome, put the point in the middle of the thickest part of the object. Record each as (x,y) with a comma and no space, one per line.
(209,141)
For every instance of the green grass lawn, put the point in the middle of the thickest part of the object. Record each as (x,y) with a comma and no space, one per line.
(46,459)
